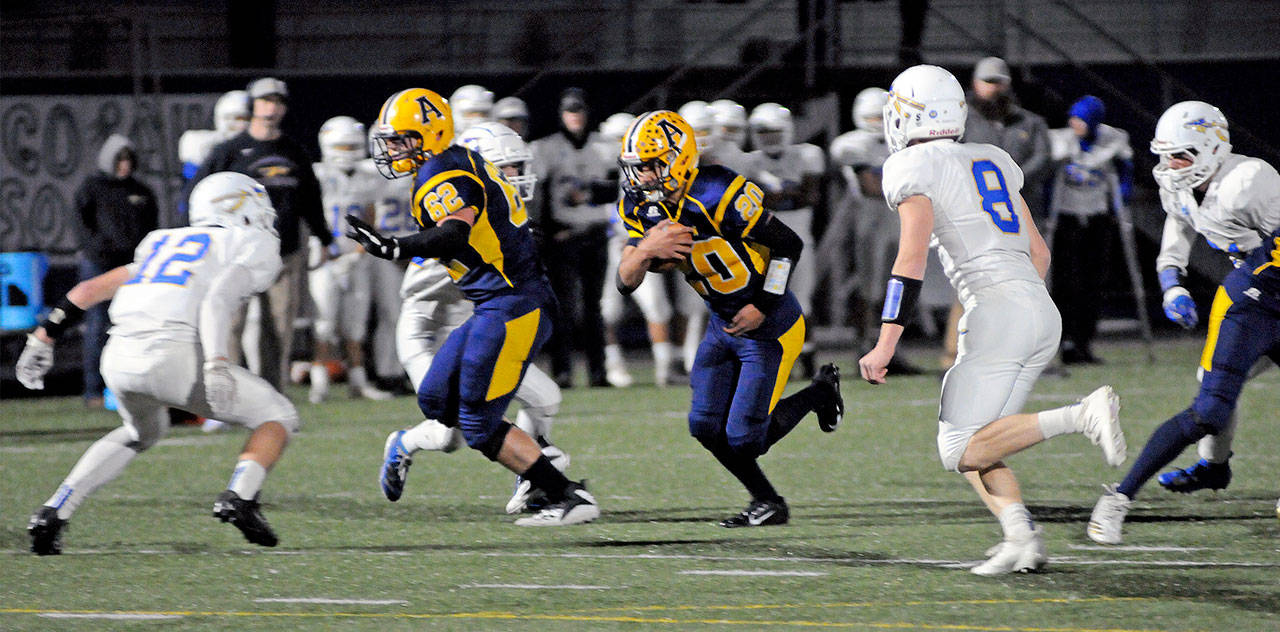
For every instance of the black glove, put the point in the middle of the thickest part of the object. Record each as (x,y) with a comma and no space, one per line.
(374,243)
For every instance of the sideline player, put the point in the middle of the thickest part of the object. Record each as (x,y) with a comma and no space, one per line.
(791,176)
(473,221)
(433,307)
(230,117)
(967,196)
(1241,202)
(1232,200)
(341,287)
(172,310)
(713,223)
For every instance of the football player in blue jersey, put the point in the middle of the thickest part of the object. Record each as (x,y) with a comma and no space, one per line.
(711,222)
(1244,326)
(473,221)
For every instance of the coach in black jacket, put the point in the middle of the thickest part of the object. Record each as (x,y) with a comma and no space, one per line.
(263,153)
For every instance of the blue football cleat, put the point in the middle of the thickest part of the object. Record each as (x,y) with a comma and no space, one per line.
(1202,475)
(395,466)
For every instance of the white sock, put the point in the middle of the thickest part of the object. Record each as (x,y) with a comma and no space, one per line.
(246,479)
(357,377)
(662,357)
(1059,421)
(99,465)
(613,355)
(1015,520)
(429,435)
(320,377)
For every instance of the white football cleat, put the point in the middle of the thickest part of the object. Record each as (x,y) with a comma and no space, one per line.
(578,507)
(524,488)
(1015,556)
(1107,521)
(1100,422)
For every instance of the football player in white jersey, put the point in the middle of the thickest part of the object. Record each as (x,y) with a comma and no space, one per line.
(650,298)
(171,311)
(471,105)
(230,117)
(728,136)
(791,176)
(967,196)
(341,286)
(1234,202)
(861,226)
(433,307)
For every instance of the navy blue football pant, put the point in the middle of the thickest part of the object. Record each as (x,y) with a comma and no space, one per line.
(737,380)
(475,373)
(1240,332)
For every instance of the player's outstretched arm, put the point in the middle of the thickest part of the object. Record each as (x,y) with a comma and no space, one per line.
(1039,249)
(37,356)
(916,214)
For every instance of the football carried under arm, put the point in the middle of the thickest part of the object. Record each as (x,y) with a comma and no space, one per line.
(666,241)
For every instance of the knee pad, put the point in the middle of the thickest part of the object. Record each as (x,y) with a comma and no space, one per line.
(1210,414)
(326,331)
(706,429)
(488,444)
(438,408)
(751,444)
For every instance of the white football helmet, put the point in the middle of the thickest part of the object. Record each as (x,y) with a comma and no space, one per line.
(498,144)
(1196,130)
(231,113)
(731,121)
(231,200)
(771,128)
(509,108)
(699,116)
(924,102)
(343,142)
(868,110)
(615,127)
(471,104)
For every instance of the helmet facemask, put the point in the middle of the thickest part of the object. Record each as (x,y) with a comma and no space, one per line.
(397,154)
(655,190)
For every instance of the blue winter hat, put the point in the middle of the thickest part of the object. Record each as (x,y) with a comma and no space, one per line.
(1090,110)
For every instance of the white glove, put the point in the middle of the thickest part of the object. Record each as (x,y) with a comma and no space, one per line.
(219,385)
(34,363)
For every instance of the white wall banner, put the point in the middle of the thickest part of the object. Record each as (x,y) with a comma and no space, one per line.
(49,145)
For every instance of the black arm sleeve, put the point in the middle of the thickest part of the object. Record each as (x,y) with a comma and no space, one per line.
(309,205)
(778,237)
(445,241)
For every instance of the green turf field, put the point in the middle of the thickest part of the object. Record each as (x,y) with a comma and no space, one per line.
(880,535)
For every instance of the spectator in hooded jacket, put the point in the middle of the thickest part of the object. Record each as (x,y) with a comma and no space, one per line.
(116,211)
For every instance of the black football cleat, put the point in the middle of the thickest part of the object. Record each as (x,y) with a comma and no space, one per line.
(45,528)
(246,516)
(830,409)
(1202,475)
(759,513)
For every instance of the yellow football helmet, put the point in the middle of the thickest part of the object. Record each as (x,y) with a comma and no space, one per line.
(414,125)
(663,142)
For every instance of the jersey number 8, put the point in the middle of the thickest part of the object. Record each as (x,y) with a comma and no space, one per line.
(996,200)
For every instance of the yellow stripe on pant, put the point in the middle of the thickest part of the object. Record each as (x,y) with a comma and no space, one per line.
(1221,303)
(792,341)
(515,350)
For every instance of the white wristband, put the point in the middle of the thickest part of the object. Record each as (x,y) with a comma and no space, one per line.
(775,280)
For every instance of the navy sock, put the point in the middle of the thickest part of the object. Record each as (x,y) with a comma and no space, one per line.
(546,477)
(788,412)
(1165,444)
(745,469)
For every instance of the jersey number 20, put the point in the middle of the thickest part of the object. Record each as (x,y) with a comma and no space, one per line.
(996,200)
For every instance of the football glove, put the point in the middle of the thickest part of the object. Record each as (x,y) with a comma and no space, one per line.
(34,363)
(1179,308)
(219,385)
(374,243)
